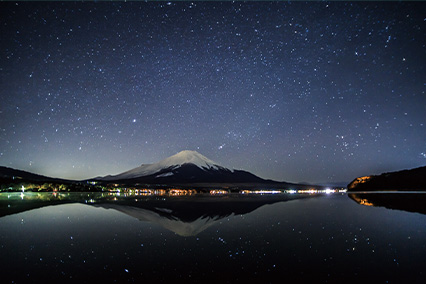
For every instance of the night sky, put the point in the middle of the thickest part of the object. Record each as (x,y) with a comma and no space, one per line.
(301,92)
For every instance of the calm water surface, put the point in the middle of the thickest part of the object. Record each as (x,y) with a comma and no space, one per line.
(230,239)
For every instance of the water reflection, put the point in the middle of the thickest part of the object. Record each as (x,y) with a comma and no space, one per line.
(410,202)
(190,216)
(184,215)
(239,239)
(15,202)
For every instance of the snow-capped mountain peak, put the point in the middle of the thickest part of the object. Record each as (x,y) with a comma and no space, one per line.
(172,162)
(188,157)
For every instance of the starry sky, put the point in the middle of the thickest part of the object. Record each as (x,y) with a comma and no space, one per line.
(301,92)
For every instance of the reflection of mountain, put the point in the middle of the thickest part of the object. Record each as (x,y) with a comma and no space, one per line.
(169,222)
(14,202)
(189,217)
(411,202)
(186,216)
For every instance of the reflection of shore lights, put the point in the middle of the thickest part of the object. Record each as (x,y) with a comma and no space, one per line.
(178,192)
(309,191)
(218,191)
(260,191)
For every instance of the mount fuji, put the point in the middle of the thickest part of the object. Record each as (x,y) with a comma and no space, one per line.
(183,168)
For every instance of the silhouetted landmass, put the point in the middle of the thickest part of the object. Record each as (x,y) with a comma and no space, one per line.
(191,176)
(186,177)
(410,202)
(13,174)
(406,180)
(16,180)
(188,168)
(190,173)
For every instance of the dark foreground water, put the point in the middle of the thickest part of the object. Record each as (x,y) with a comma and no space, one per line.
(205,239)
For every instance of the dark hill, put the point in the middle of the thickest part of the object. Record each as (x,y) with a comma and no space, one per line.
(406,180)
(12,174)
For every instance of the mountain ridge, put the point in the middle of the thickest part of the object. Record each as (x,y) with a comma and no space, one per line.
(170,163)
(190,168)
(404,180)
(184,169)
(10,173)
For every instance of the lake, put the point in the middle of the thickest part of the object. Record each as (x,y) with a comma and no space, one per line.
(231,238)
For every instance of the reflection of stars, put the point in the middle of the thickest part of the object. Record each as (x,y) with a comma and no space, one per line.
(423,155)
(221,146)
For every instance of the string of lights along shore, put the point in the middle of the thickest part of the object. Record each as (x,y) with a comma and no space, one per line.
(311,92)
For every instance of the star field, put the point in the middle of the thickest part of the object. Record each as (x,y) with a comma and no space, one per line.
(302,92)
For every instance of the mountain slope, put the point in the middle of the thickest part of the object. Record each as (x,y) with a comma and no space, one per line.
(405,180)
(189,173)
(167,165)
(13,174)
(182,168)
